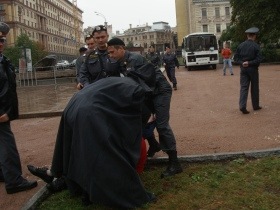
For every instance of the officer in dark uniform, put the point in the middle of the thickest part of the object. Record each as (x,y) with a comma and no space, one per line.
(248,56)
(80,60)
(153,56)
(170,61)
(160,102)
(10,166)
(97,64)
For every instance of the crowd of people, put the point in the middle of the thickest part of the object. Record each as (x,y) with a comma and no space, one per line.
(124,97)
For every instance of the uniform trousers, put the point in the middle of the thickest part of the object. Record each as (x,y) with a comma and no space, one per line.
(9,156)
(247,76)
(170,71)
(162,108)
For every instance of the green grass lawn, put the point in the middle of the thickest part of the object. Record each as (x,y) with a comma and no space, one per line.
(233,185)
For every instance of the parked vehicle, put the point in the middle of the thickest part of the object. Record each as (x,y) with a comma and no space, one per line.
(200,49)
(62,64)
(73,63)
(46,63)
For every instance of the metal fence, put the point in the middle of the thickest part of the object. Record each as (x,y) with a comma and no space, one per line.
(48,75)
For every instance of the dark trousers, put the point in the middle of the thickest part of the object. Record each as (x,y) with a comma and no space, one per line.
(247,76)
(9,157)
(162,107)
(171,75)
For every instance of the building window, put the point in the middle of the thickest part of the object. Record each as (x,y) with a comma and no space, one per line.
(217,12)
(227,11)
(204,13)
(205,28)
(227,25)
(218,28)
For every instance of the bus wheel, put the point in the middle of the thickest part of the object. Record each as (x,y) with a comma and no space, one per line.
(214,66)
(189,68)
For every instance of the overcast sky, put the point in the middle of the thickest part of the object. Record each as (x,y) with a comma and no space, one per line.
(121,13)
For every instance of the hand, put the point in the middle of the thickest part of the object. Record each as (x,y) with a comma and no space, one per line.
(80,86)
(245,64)
(4,118)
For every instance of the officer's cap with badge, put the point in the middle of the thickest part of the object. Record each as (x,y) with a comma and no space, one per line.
(4,30)
(253,30)
(83,49)
(99,28)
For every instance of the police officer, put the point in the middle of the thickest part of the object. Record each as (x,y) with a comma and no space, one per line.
(170,61)
(10,166)
(248,56)
(153,57)
(160,102)
(80,60)
(97,64)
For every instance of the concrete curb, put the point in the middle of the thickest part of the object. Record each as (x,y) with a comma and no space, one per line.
(41,114)
(39,197)
(43,193)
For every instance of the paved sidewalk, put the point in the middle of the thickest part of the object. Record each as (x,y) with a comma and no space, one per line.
(42,101)
(212,125)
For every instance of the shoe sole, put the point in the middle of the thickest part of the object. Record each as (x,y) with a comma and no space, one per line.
(48,180)
(15,190)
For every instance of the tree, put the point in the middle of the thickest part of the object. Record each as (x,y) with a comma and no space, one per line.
(263,14)
(14,53)
(256,13)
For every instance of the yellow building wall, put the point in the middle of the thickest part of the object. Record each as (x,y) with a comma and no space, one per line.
(182,18)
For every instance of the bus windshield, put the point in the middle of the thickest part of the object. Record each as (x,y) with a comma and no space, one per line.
(200,42)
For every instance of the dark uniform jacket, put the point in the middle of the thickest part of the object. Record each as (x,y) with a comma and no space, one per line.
(94,148)
(248,51)
(79,62)
(170,60)
(97,66)
(136,63)
(154,58)
(8,94)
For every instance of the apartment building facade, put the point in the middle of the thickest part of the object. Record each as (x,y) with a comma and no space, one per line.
(192,16)
(57,24)
(159,34)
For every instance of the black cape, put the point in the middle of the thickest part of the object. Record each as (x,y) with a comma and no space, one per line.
(98,142)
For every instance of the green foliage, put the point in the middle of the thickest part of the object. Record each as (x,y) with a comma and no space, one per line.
(263,14)
(270,53)
(14,53)
(237,184)
(259,13)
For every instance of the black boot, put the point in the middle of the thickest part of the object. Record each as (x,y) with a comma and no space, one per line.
(175,86)
(174,166)
(153,146)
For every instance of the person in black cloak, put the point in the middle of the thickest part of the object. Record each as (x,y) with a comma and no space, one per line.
(99,139)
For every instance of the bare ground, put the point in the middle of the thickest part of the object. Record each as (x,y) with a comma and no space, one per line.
(204,116)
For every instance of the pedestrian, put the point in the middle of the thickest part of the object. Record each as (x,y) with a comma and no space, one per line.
(10,165)
(170,61)
(89,40)
(80,60)
(226,53)
(153,56)
(97,65)
(160,101)
(248,56)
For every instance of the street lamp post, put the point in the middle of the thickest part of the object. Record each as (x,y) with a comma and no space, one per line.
(100,14)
